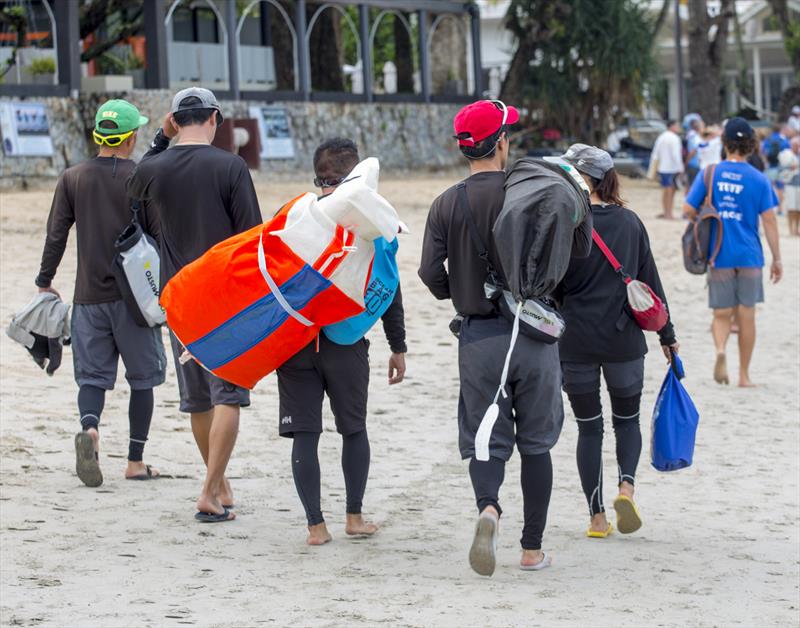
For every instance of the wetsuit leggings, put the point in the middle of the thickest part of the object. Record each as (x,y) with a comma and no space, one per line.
(92,400)
(305,469)
(536,478)
(625,419)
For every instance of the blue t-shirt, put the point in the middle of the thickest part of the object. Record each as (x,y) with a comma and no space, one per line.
(774,144)
(741,194)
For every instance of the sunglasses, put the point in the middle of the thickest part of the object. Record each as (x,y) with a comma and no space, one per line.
(502,107)
(111,140)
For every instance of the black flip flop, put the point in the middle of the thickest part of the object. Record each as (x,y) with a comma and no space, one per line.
(87,465)
(212,517)
(145,476)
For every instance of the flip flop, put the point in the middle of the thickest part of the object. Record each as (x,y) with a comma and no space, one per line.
(628,517)
(212,517)
(483,553)
(542,564)
(594,534)
(148,475)
(87,465)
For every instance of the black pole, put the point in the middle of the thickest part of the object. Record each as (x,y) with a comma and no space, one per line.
(69,47)
(679,61)
(233,48)
(477,65)
(265,22)
(366,51)
(424,60)
(304,70)
(156,75)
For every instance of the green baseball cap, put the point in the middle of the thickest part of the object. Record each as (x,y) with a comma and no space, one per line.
(120,112)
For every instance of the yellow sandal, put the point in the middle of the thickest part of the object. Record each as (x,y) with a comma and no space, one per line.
(628,517)
(594,534)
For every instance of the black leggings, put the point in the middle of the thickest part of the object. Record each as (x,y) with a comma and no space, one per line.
(536,478)
(92,400)
(625,419)
(305,469)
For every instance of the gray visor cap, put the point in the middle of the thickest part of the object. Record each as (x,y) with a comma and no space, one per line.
(205,96)
(589,160)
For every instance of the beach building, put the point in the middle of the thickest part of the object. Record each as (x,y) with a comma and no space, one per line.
(761,55)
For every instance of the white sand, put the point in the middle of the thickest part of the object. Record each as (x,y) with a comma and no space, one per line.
(720,545)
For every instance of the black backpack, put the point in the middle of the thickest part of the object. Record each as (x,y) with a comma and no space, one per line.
(773,152)
(696,241)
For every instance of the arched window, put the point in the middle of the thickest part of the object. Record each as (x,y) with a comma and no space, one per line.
(198,44)
(28,43)
(450,52)
(333,68)
(395,62)
(267,48)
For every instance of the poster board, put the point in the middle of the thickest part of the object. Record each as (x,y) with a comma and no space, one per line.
(276,135)
(25,129)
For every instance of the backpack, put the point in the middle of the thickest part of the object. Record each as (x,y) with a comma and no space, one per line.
(696,240)
(773,152)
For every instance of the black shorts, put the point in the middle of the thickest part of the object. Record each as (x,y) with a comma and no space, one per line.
(201,390)
(341,371)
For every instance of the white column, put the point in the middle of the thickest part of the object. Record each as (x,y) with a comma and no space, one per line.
(757,78)
(673,105)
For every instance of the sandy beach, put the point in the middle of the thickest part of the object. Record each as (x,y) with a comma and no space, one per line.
(720,544)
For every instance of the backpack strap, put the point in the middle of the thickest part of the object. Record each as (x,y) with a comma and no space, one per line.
(709,182)
(612,259)
(474,234)
(136,207)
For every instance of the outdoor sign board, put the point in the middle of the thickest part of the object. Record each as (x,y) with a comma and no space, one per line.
(276,136)
(25,129)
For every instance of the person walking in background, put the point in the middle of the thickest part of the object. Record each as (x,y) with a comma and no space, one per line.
(742,196)
(92,196)
(533,412)
(793,121)
(771,148)
(709,149)
(694,138)
(668,156)
(790,175)
(341,371)
(601,335)
(203,195)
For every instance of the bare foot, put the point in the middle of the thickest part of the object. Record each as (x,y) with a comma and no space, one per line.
(318,534)
(665,217)
(208,503)
(226,494)
(140,470)
(746,382)
(599,523)
(721,370)
(356,526)
(531,559)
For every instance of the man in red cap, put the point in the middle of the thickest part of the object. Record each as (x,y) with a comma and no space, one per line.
(459,230)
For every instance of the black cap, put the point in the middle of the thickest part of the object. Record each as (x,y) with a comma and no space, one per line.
(738,129)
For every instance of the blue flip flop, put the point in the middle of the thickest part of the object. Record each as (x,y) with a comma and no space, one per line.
(212,517)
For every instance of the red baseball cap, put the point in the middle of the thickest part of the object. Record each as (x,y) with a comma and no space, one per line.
(481,119)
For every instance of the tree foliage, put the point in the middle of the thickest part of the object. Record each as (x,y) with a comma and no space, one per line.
(790,28)
(579,62)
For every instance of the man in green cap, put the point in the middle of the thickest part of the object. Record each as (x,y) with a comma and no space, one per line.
(92,196)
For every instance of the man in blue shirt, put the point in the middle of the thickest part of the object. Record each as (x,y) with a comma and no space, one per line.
(771,148)
(694,138)
(741,195)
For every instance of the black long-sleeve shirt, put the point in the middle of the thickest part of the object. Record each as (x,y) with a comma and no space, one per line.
(202,195)
(92,196)
(593,297)
(447,238)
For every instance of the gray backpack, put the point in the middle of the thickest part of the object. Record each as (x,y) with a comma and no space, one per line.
(696,241)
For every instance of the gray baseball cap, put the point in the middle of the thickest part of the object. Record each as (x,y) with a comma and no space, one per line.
(205,96)
(589,160)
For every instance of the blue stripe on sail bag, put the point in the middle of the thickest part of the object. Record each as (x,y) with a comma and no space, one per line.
(244,331)
(382,285)
(675,421)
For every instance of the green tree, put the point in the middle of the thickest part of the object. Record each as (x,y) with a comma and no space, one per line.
(579,62)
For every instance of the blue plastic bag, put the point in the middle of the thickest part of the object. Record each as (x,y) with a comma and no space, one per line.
(384,279)
(674,423)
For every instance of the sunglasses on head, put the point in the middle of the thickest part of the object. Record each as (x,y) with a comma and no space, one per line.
(111,140)
(502,107)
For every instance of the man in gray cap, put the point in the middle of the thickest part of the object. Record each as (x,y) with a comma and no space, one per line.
(202,195)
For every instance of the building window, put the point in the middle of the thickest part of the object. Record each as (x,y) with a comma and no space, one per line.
(197,25)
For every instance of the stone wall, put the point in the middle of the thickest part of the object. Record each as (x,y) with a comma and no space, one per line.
(404,136)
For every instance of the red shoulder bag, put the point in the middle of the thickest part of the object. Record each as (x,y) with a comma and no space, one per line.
(648,310)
